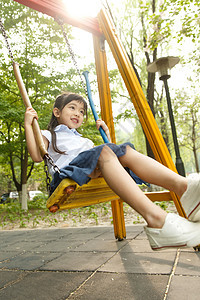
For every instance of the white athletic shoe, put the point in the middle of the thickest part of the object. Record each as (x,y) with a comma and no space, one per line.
(176,232)
(191,199)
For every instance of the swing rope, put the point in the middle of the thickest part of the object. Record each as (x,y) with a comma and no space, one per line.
(72,54)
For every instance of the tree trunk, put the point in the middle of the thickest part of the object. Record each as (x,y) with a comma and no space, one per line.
(194,137)
(24,197)
(24,166)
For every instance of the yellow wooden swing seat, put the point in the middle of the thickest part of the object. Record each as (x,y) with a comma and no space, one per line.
(70,195)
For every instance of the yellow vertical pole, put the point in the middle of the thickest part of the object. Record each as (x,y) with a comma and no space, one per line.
(137,96)
(107,116)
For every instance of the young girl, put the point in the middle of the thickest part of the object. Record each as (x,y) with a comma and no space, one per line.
(78,159)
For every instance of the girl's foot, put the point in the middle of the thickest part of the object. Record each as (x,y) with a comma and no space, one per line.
(176,232)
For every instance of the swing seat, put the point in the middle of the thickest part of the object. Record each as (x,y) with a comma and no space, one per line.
(69,194)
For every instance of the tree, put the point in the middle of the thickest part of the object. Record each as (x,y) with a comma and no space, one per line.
(144,31)
(151,29)
(187,118)
(38,45)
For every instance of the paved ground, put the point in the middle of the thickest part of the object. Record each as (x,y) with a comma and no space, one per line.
(89,264)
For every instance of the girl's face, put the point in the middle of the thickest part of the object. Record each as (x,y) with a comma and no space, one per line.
(71,115)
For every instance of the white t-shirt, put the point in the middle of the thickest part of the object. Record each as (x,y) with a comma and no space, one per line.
(68,141)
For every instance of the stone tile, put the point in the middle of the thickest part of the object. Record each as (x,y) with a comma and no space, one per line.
(184,288)
(11,233)
(189,264)
(24,245)
(96,230)
(108,235)
(98,245)
(150,263)
(140,246)
(52,263)
(44,286)
(10,237)
(134,229)
(29,261)
(78,261)
(62,245)
(6,255)
(83,235)
(142,236)
(43,235)
(4,246)
(104,286)
(131,232)
(8,277)
(137,246)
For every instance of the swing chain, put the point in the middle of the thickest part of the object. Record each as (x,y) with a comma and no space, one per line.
(47,159)
(48,179)
(60,22)
(6,39)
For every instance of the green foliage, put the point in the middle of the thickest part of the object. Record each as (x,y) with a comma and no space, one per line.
(187,120)
(39,47)
(12,216)
(188,13)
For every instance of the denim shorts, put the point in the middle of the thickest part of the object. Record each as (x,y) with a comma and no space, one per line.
(84,164)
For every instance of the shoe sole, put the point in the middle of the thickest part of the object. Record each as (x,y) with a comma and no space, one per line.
(169,247)
(194,242)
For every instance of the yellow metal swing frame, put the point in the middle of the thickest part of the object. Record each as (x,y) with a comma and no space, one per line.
(97,191)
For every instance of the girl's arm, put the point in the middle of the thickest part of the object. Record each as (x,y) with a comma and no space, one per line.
(33,149)
(105,128)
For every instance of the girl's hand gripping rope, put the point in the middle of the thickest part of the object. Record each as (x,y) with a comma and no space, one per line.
(101,123)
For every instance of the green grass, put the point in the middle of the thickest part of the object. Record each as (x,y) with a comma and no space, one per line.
(13,217)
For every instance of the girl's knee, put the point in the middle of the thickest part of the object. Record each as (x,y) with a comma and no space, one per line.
(107,153)
(124,159)
(106,156)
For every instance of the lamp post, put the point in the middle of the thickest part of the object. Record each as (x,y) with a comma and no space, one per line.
(162,65)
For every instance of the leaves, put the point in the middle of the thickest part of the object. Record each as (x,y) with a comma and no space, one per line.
(39,47)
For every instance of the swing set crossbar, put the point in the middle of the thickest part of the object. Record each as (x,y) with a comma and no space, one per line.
(57,9)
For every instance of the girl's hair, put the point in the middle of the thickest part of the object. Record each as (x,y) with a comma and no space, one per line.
(60,102)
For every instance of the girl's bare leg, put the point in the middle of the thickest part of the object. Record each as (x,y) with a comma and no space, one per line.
(163,230)
(125,187)
(153,172)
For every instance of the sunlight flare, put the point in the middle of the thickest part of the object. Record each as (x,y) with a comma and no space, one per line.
(80,8)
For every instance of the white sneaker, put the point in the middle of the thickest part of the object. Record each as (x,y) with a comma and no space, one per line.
(191,199)
(176,232)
